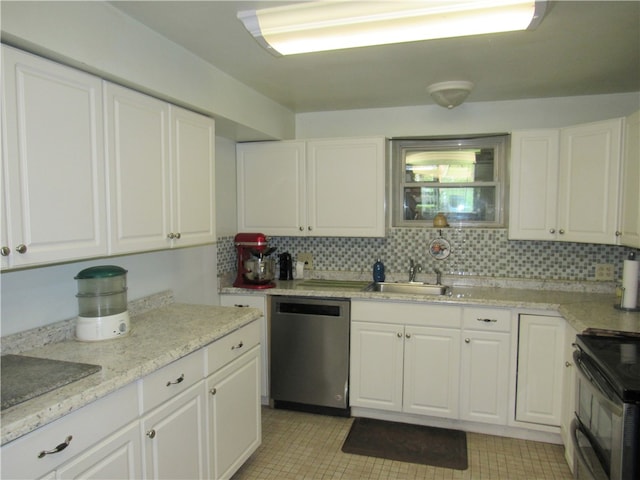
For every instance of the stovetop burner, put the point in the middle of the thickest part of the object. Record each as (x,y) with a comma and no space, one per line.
(618,357)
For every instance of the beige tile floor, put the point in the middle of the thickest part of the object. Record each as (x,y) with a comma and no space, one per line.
(306,446)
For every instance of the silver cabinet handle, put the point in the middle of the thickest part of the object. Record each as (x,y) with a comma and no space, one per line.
(171,236)
(301,228)
(239,345)
(561,231)
(309,228)
(22,248)
(5,251)
(618,233)
(568,364)
(213,391)
(399,334)
(178,380)
(178,235)
(408,335)
(487,320)
(58,449)
(467,340)
(553,230)
(151,433)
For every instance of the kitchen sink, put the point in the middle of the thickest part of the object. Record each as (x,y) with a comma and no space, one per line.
(333,284)
(408,287)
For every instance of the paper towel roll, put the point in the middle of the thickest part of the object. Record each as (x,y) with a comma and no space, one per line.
(630,284)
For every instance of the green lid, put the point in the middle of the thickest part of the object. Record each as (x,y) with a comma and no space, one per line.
(103,271)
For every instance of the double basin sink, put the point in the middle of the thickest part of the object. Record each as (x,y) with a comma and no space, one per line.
(382,287)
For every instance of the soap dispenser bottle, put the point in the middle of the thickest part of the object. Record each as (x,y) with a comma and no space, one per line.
(378,271)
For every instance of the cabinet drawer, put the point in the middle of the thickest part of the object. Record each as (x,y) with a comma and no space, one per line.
(254,301)
(231,346)
(490,319)
(86,426)
(404,313)
(171,380)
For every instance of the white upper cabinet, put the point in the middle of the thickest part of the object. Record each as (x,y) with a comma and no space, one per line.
(161,173)
(534,184)
(52,162)
(631,182)
(331,187)
(272,188)
(565,183)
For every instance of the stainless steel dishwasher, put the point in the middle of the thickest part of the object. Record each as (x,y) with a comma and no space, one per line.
(310,354)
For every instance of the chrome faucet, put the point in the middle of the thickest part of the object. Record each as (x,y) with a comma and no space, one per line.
(438,273)
(414,268)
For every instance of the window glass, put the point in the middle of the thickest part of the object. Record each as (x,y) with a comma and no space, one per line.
(461,178)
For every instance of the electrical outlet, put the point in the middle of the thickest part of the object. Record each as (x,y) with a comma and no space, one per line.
(307,258)
(604,272)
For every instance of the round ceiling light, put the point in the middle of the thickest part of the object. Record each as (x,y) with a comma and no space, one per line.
(450,94)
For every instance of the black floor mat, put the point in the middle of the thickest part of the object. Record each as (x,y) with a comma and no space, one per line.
(403,442)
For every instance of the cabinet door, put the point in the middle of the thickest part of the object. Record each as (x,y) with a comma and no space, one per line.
(119,456)
(259,302)
(139,175)
(484,375)
(534,184)
(174,437)
(540,369)
(233,400)
(588,192)
(631,183)
(193,178)
(431,371)
(345,185)
(54,165)
(272,188)
(377,352)
(568,394)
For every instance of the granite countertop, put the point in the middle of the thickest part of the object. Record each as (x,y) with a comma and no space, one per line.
(583,309)
(158,337)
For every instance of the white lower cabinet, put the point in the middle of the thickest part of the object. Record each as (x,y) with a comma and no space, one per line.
(484,376)
(568,394)
(259,302)
(438,361)
(541,353)
(174,444)
(198,417)
(233,404)
(405,367)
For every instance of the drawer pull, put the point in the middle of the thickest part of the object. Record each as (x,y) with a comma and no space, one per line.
(176,381)
(59,448)
(487,320)
(213,391)
(151,433)
(240,345)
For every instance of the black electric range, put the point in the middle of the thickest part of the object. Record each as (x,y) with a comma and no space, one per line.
(617,356)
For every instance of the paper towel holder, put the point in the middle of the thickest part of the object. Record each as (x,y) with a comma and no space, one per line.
(634,272)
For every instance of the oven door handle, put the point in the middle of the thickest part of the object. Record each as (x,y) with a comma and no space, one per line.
(604,392)
(582,460)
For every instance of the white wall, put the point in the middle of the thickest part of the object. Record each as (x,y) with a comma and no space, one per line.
(40,296)
(100,39)
(489,117)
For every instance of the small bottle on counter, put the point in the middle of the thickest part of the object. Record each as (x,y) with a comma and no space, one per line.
(378,271)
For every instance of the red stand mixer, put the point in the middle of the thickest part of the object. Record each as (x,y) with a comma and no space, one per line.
(255,268)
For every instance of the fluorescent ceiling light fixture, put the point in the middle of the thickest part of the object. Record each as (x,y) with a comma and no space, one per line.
(315,26)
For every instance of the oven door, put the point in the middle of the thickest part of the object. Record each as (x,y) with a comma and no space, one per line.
(598,429)
(587,464)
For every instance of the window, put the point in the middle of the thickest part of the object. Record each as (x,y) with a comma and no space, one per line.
(462,178)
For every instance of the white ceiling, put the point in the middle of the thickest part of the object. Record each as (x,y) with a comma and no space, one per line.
(580,48)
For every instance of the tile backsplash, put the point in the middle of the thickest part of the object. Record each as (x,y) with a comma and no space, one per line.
(482,252)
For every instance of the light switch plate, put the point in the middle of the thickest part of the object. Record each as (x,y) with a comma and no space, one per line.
(604,272)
